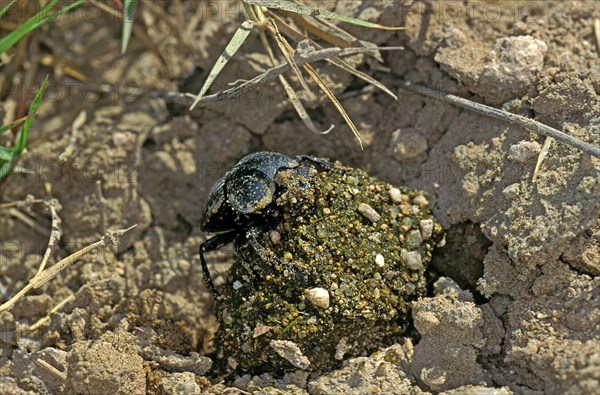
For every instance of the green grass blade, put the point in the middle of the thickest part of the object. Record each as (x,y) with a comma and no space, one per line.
(34,22)
(13,37)
(22,141)
(6,154)
(58,13)
(5,8)
(234,44)
(129,8)
(286,5)
(5,169)
(11,125)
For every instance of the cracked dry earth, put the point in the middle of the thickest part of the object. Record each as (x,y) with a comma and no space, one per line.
(514,299)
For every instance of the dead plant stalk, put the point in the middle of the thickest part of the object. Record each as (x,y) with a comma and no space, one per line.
(46,275)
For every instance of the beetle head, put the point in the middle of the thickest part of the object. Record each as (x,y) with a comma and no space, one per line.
(244,192)
(218,214)
(235,198)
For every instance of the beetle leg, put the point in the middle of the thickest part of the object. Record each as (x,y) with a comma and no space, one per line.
(212,244)
(252,239)
(319,161)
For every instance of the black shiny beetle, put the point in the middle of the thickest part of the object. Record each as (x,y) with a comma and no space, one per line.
(241,204)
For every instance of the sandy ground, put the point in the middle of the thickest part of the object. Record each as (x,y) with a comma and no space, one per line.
(514,305)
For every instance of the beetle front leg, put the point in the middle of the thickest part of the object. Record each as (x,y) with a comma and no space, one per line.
(212,244)
(326,164)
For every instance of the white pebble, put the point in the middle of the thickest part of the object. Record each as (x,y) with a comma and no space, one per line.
(380,260)
(421,201)
(318,296)
(260,329)
(290,351)
(426,228)
(395,195)
(523,151)
(412,259)
(275,236)
(368,212)
(342,348)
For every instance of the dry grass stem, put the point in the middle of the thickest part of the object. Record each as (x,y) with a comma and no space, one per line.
(42,278)
(27,203)
(338,62)
(21,203)
(288,53)
(268,76)
(54,207)
(541,157)
(45,319)
(291,93)
(317,78)
(79,121)
(18,214)
(506,116)
(51,369)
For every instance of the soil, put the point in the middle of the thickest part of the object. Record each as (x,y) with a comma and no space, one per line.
(514,303)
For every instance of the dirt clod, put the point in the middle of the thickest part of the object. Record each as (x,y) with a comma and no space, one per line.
(99,368)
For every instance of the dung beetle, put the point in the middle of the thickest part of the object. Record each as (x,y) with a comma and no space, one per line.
(241,204)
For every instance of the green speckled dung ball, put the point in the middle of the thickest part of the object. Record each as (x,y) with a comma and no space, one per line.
(334,278)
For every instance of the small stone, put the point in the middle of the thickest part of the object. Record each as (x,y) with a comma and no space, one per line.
(260,329)
(421,201)
(512,191)
(395,195)
(180,383)
(237,285)
(376,294)
(414,239)
(523,151)
(318,296)
(274,236)
(512,67)
(173,362)
(426,228)
(123,139)
(442,242)
(368,212)
(379,260)
(290,351)
(412,259)
(341,349)
(232,363)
